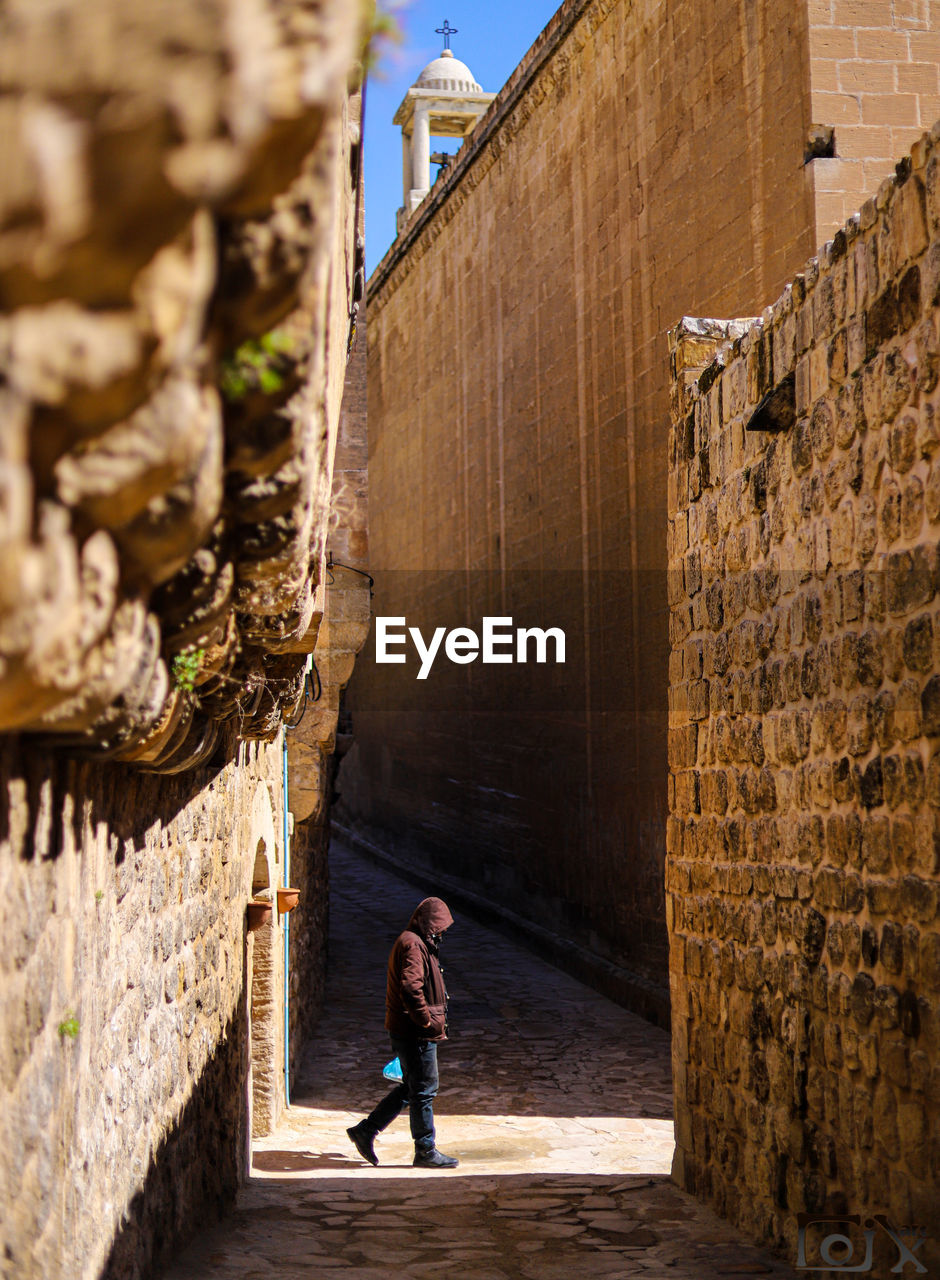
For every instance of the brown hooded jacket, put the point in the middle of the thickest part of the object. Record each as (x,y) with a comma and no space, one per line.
(415,998)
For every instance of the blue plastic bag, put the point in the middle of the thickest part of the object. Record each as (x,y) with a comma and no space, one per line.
(392,1071)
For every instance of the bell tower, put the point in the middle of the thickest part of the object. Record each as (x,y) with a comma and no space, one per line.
(444,100)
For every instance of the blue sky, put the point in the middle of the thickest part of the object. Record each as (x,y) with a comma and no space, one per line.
(492,37)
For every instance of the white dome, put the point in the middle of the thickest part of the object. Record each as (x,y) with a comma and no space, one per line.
(447,73)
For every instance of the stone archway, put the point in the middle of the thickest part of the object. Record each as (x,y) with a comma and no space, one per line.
(265,977)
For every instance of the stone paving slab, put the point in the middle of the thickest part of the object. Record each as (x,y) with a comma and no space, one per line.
(556,1101)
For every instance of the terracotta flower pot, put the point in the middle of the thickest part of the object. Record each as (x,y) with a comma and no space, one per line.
(287,899)
(259,914)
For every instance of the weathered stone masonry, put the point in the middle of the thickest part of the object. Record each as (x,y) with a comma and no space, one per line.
(124,916)
(178,256)
(804,718)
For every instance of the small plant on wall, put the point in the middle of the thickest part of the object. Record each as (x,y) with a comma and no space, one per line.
(260,365)
(68,1027)
(185,668)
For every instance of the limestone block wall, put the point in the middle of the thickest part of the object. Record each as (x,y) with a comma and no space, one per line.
(124,1070)
(803,734)
(517,401)
(349,528)
(315,748)
(875,81)
(321,737)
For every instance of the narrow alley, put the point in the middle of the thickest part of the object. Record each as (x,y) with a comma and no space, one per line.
(556,1101)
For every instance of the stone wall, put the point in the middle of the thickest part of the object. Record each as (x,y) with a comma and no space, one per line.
(343,608)
(803,734)
(178,264)
(322,737)
(641,156)
(125,1028)
(875,82)
(315,748)
(349,518)
(318,737)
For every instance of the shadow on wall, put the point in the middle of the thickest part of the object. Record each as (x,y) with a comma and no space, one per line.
(214,1119)
(127,801)
(106,921)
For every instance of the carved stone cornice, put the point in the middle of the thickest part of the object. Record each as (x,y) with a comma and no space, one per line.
(172,349)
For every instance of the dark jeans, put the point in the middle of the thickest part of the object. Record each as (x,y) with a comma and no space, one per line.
(418,1088)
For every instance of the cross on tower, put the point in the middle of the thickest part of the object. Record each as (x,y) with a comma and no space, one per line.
(446,31)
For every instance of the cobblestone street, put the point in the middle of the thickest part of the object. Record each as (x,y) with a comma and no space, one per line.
(556,1101)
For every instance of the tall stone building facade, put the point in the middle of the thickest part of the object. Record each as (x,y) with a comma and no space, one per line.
(874,69)
(803,727)
(644,161)
(180,262)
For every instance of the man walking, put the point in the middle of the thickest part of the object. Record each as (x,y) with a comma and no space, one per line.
(416,1019)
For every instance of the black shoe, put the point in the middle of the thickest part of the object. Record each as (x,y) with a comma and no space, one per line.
(434,1159)
(362,1141)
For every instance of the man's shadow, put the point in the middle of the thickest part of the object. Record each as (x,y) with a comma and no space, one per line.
(302,1161)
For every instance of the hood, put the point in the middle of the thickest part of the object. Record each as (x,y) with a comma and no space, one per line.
(430,916)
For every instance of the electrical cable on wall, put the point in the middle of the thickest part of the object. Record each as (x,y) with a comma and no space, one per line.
(332,564)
